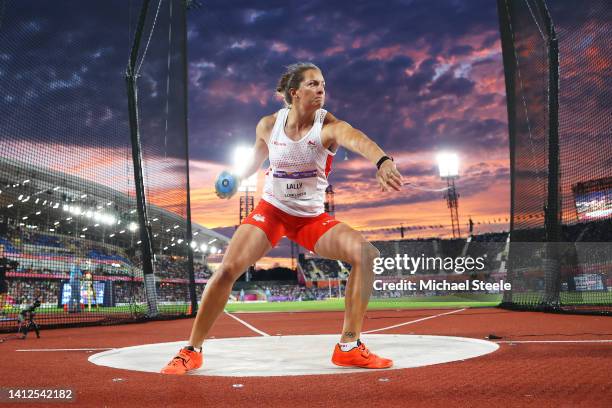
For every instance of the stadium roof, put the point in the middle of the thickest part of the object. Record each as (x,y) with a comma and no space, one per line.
(49,197)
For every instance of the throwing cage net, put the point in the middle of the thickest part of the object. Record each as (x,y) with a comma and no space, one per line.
(556,62)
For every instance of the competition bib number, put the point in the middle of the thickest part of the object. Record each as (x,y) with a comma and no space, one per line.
(294,185)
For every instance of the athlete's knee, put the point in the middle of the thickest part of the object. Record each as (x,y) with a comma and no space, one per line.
(370,254)
(373,252)
(363,253)
(228,272)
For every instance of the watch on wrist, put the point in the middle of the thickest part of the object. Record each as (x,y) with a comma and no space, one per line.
(382,160)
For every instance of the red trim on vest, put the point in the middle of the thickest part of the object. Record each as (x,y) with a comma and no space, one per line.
(328,164)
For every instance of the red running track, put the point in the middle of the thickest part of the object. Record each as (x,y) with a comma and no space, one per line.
(572,373)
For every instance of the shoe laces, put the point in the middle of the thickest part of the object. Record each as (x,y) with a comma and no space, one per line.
(180,358)
(365,352)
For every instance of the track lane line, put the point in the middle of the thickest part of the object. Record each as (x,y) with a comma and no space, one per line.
(414,321)
(256,330)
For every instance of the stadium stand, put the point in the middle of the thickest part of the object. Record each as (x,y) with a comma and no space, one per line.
(41,278)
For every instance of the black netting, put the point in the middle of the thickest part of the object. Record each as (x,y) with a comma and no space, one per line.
(561,277)
(69,231)
(585,122)
(162,111)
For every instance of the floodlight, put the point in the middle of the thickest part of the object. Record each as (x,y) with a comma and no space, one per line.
(448,163)
(242,159)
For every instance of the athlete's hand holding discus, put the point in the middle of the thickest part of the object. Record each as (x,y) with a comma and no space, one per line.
(227,184)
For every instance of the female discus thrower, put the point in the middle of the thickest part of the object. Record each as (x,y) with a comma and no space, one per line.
(300,142)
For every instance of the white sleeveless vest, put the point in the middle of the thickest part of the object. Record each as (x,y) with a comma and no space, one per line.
(297,177)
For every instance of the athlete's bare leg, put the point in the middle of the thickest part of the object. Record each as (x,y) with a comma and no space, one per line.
(344,243)
(248,245)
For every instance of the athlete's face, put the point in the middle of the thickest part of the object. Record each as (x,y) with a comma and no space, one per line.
(311,93)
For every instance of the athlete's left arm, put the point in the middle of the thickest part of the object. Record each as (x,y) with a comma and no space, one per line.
(342,133)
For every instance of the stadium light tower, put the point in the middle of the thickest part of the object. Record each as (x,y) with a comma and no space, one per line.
(448,164)
(243,157)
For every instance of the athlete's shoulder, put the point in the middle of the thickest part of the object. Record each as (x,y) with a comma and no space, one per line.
(267,121)
(329,118)
(332,123)
(332,128)
(265,125)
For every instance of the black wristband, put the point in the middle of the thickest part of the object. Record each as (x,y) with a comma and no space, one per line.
(382,160)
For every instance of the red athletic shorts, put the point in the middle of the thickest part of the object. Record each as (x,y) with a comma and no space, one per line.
(276,223)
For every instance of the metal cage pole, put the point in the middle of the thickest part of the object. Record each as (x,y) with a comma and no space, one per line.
(131,77)
(552,266)
(509,73)
(189,232)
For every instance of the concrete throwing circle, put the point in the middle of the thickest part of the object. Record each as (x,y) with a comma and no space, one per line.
(295,355)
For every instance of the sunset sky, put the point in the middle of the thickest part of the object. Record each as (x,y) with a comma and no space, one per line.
(418,77)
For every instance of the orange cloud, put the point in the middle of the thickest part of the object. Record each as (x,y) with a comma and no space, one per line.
(227,89)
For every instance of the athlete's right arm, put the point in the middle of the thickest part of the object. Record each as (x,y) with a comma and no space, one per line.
(260,149)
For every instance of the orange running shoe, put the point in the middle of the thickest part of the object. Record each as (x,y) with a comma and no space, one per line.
(359,356)
(185,360)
